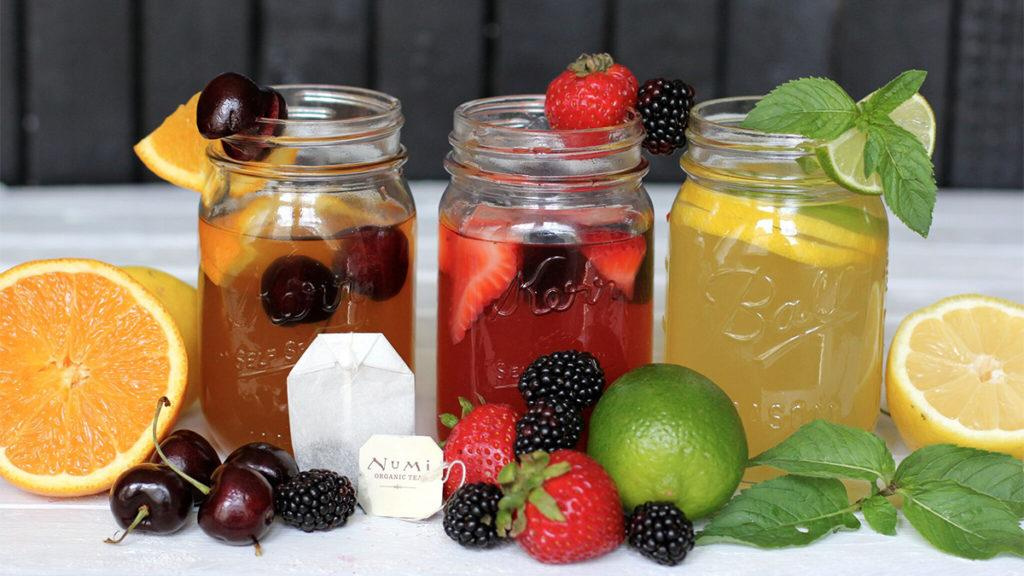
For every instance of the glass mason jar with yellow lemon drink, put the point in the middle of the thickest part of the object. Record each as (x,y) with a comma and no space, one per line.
(777,274)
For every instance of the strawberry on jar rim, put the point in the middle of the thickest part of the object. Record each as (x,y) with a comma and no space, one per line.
(592,92)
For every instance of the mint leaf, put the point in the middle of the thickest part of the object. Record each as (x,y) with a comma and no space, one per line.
(785,511)
(813,107)
(826,450)
(963,522)
(896,92)
(872,154)
(1000,476)
(908,185)
(880,514)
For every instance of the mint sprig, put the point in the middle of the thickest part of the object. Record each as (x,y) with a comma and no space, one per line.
(964,501)
(820,109)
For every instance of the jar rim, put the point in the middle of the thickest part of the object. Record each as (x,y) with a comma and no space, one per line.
(714,123)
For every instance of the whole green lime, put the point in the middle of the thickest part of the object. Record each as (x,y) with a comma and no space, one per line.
(664,432)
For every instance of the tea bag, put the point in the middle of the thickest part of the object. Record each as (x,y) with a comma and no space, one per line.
(344,389)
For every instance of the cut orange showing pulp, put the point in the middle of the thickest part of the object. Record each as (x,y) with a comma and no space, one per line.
(176,151)
(956,375)
(85,352)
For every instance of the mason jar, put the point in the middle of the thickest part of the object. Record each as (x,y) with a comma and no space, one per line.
(776,278)
(306,226)
(545,246)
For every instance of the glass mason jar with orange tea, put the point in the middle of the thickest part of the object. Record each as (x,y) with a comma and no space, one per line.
(306,227)
(545,245)
(776,278)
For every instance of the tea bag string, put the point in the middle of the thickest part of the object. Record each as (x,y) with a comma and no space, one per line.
(447,472)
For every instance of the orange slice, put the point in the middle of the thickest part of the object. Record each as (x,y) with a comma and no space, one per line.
(85,352)
(956,375)
(176,151)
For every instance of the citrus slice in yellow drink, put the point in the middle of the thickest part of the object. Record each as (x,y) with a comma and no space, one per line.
(85,353)
(956,375)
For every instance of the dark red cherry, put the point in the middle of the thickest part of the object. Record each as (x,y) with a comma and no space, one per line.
(374,261)
(239,508)
(298,289)
(275,464)
(149,498)
(272,106)
(229,104)
(193,454)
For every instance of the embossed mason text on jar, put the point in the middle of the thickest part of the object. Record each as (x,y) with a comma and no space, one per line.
(545,245)
(307,227)
(776,278)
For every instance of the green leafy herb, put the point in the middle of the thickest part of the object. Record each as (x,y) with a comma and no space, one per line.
(961,521)
(814,107)
(786,511)
(820,109)
(1000,476)
(828,450)
(880,514)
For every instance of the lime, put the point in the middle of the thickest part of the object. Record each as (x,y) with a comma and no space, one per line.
(666,433)
(843,158)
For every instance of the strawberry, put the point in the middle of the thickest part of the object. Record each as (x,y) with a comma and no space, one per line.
(480,272)
(617,260)
(561,508)
(482,440)
(592,92)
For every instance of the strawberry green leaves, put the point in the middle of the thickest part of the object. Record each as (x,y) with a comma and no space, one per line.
(786,511)
(820,109)
(827,450)
(964,501)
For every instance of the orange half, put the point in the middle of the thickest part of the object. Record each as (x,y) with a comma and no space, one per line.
(85,352)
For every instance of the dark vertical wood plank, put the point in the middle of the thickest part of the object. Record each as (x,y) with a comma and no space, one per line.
(674,39)
(182,51)
(10,93)
(80,104)
(986,149)
(771,41)
(538,38)
(315,42)
(878,39)
(430,55)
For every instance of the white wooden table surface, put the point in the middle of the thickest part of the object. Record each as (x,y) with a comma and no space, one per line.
(976,245)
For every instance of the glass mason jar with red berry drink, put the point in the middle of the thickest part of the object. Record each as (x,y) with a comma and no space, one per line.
(545,245)
(306,226)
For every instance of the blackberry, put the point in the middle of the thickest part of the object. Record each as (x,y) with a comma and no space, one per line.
(470,516)
(665,106)
(572,377)
(548,425)
(315,500)
(661,532)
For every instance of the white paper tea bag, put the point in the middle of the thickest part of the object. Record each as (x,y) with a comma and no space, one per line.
(344,389)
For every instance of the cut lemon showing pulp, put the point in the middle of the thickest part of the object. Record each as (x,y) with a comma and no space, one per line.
(176,151)
(956,375)
(843,158)
(85,352)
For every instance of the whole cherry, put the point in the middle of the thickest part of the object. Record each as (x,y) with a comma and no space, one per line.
(375,262)
(149,498)
(298,289)
(193,454)
(273,463)
(239,508)
(229,104)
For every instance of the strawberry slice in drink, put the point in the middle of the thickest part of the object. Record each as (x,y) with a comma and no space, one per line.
(617,257)
(480,271)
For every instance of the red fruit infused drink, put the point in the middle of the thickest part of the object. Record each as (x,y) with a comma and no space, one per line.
(545,245)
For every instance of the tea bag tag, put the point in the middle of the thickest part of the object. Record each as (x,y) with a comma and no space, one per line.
(400,476)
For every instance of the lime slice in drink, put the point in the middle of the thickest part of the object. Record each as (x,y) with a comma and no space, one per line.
(843,158)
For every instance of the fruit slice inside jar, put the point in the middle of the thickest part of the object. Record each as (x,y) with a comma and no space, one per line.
(86,352)
(956,374)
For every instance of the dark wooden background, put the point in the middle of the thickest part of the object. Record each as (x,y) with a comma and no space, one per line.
(83,80)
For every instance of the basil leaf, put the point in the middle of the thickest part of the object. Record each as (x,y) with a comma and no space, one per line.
(1000,476)
(962,522)
(880,514)
(826,450)
(785,511)
(814,107)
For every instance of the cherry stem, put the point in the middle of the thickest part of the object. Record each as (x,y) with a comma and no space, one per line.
(256,545)
(163,401)
(143,513)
